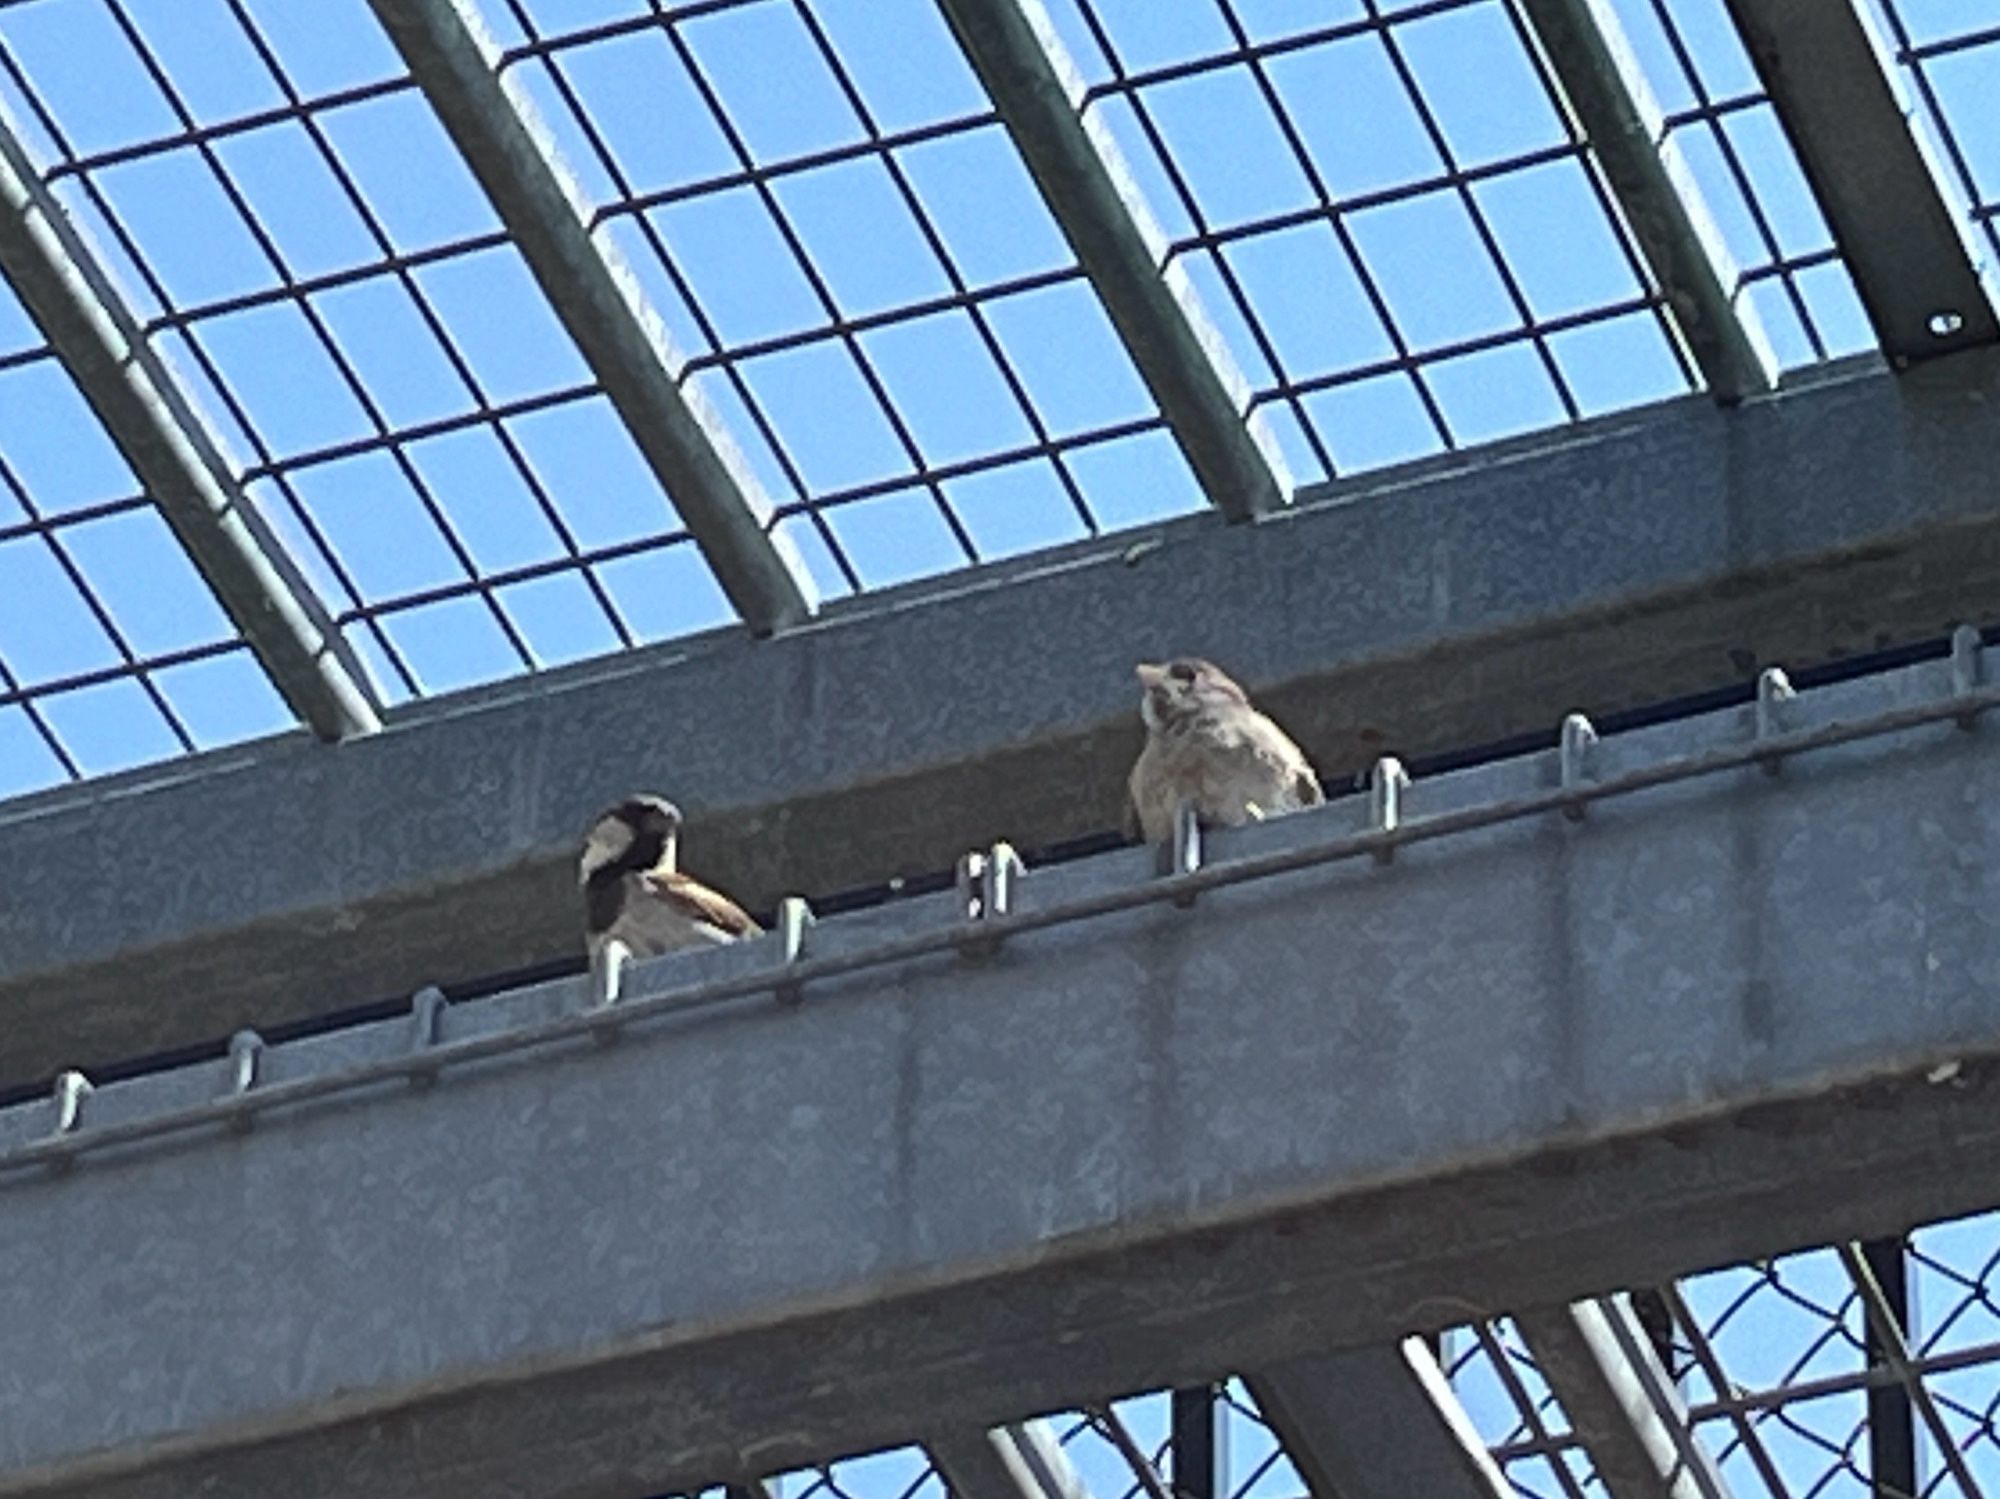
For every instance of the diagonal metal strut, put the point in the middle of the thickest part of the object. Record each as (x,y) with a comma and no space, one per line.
(1834,90)
(1607,91)
(1077,166)
(85,320)
(494,125)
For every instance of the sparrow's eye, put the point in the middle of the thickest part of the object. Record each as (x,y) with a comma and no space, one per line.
(1180,671)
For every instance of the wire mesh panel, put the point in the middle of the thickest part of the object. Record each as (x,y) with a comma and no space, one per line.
(113,649)
(1950,55)
(1385,207)
(841,236)
(1749,177)
(302,244)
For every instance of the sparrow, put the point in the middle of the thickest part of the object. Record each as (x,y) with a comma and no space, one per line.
(1208,746)
(634,892)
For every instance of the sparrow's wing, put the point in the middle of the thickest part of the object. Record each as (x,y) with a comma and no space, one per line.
(1275,746)
(697,902)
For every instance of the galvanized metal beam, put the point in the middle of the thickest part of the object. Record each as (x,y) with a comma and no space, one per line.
(1637,559)
(81,314)
(1021,1461)
(1586,45)
(1836,92)
(1621,1402)
(1082,175)
(710,1231)
(493,122)
(1376,1423)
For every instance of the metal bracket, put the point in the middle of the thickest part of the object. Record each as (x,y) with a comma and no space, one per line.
(794,916)
(1968,669)
(1386,783)
(71,1089)
(607,973)
(427,1007)
(1185,851)
(246,1054)
(1774,689)
(1573,759)
(986,890)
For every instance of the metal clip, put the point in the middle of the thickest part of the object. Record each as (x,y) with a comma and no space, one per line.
(246,1052)
(986,890)
(794,916)
(1773,689)
(1573,759)
(1385,801)
(607,973)
(1186,849)
(427,1007)
(71,1089)
(1968,668)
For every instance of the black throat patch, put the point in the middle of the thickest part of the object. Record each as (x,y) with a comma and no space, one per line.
(604,890)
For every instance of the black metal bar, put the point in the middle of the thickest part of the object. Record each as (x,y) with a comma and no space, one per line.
(1199,1443)
(1892,1430)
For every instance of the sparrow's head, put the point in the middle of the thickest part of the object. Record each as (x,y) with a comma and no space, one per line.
(639,833)
(1182,688)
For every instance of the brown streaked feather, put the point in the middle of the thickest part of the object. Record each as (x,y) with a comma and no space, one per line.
(699,903)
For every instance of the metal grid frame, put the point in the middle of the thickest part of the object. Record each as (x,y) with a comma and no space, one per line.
(1785,283)
(1784,1419)
(569,586)
(1919,60)
(717,358)
(1336,210)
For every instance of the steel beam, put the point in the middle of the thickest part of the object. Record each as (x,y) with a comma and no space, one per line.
(1836,92)
(493,122)
(1892,1430)
(1021,1461)
(1722,1015)
(1607,90)
(1621,1402)
(1625,563)
(79,311)
(1082,175)
(1376,1423)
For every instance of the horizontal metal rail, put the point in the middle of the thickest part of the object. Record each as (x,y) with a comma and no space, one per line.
(1962,704)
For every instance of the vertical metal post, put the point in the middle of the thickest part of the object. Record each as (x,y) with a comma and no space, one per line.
(1199,1444)
(1892,1427)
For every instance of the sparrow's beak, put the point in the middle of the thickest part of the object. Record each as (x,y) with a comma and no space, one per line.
(1150,675)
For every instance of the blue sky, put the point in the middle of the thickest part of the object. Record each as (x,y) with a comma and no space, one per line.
(870,291)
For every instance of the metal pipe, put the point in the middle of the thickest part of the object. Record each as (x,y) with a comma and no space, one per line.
(79,311)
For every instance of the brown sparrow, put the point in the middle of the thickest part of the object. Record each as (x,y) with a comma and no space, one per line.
(1207,747)
(634,892)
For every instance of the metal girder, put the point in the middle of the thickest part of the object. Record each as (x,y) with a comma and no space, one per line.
(493,122)
(1892,1434)
(1606,88)
(81,314)
(1021,1461)
(1835,91)
(1082,175)
(1722,1014)
(1376,1423)
(1620,1401)
(1631,561)
(1197,1442)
